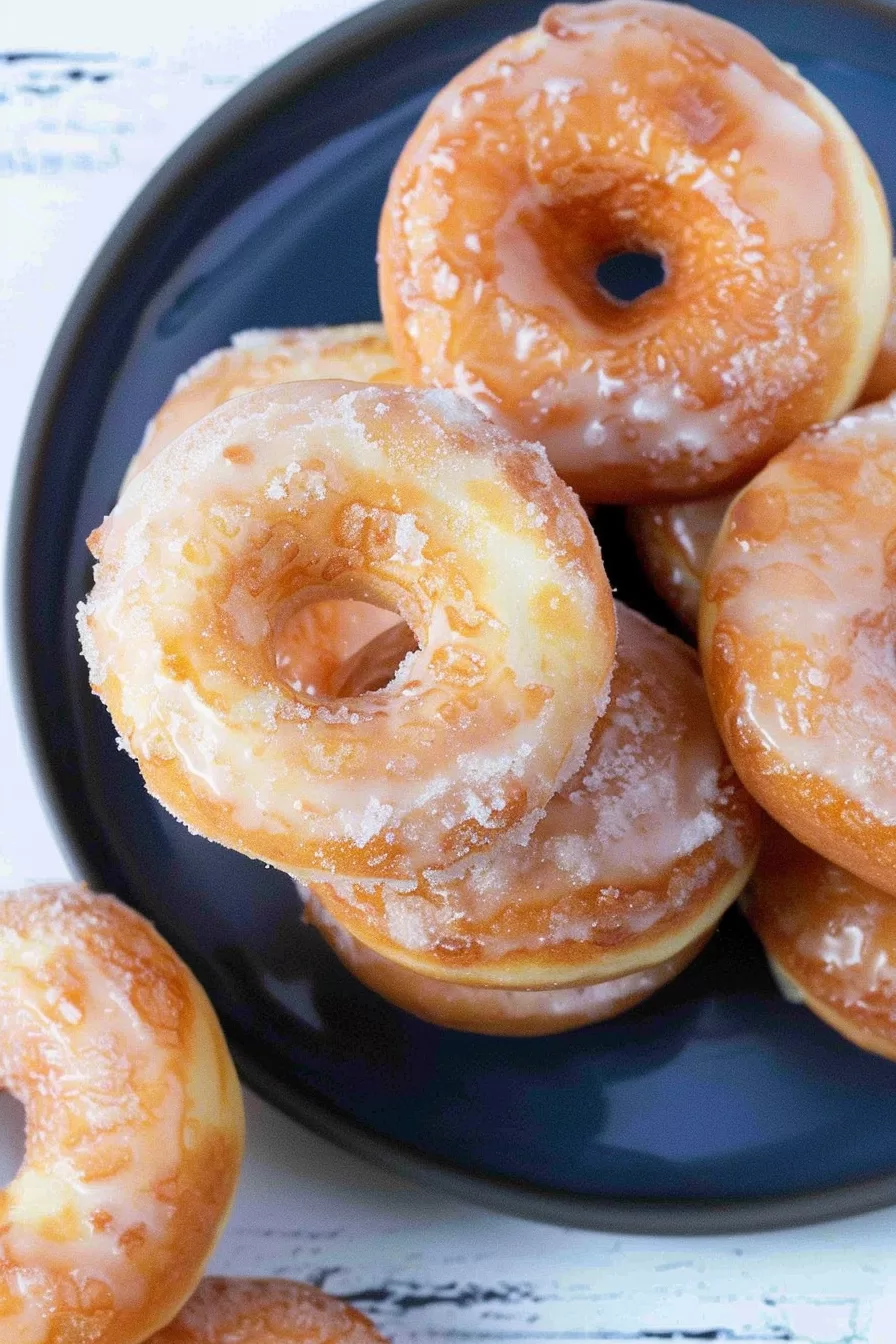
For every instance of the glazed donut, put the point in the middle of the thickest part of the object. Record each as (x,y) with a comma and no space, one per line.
(881,381)
(134,1122)
(796,636)
(830,939)
(639,126)
(359,353)
(495,1012)
(674,542)
(267,1311)
(406,499)
(636,857)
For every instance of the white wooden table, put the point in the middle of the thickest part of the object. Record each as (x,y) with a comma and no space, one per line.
(74,149)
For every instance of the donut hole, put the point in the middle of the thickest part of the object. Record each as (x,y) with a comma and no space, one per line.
(337,648)
(12,1138)
(625,277)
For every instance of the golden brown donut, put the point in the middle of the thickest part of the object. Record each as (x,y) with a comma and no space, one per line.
(636,857)
(373,666)
(495,1012)
(404,498)
(134,1122)
(830,939)
(674,542)
(267,1311)
(359,352)
(634,125)
(796,636)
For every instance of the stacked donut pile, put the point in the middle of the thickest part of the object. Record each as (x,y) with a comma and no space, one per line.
(350,617)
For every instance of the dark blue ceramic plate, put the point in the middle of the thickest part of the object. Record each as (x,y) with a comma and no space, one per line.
(716,1106)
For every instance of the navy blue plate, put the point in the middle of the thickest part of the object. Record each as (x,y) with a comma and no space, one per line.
(714,1107)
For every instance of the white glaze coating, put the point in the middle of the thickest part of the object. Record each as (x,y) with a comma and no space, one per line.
(830,938)
(650,840)
(797,635)
(816,576)
(636,125)
(411,500)
(134,1122)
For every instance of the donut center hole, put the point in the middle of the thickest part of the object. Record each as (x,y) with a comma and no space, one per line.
(12,1138)
(626,276)
(337,648)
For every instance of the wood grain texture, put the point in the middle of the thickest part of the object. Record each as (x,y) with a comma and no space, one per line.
(429,1268)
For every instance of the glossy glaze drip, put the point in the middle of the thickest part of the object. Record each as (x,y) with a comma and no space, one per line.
(646,127)
(411,501)
(831,935)
(134,1121)
(798,644)
(804,588)
(646,838)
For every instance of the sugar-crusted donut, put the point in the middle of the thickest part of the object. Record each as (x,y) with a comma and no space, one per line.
(407,499)
(267,1311)
(134,1122)
(830,939)
(318,650)
(639,126)
(674,542)
(495,1012)
(359,352)
(636,856)
(796,637)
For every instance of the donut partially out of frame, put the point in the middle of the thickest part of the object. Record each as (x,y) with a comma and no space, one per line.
(134,1122)
(267,1311)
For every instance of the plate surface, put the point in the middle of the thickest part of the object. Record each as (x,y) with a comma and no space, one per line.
(716,1106)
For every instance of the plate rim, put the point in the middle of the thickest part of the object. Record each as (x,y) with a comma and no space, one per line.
(326,53)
